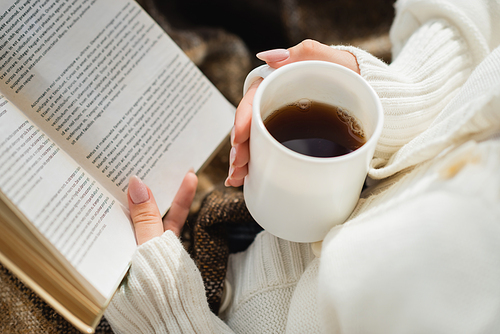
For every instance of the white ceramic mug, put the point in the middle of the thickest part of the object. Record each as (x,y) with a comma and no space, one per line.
(294,196)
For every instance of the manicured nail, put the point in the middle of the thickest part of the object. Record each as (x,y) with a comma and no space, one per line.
(232,155)
(231,171)
(273,55)
(232,137)
(230,174)
(137,190)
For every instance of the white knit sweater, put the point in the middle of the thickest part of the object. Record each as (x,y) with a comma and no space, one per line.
(421,251)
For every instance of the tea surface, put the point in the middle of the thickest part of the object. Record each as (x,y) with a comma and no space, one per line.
(315,129)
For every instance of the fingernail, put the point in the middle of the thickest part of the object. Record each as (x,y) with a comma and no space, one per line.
(273,55)
(137,190)
(231,171)
(232,137)
(232,155)
(230,174)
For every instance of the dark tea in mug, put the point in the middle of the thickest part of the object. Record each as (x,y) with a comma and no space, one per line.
(316,129)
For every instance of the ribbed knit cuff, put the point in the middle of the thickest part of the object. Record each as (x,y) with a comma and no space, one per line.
(416,86)
(162,293)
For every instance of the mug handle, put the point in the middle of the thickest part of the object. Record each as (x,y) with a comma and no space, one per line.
(258,72)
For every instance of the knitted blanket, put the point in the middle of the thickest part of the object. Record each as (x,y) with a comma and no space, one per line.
(222,37)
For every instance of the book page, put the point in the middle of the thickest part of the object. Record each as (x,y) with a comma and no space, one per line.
(67,205)
(103,80)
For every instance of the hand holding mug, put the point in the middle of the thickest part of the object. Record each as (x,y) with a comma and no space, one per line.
(298,184)
(307,50)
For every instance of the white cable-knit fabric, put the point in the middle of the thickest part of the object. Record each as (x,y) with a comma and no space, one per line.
(417,85)
(421,251)
(264,285)
(163,293)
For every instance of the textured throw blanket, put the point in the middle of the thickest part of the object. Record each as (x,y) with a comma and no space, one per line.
(222,37)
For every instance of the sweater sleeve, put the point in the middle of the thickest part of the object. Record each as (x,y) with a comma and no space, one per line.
(478,22)
(415,87)
(163,293)
(426,259)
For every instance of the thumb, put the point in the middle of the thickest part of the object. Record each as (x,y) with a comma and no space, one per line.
(143,211)
(309,50)
(179,210)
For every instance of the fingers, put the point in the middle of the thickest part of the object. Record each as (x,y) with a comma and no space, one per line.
(238,164)
(176,217)
(143,211)
(240,155)
(243,117)
(237,176)
(309,50)
(306,50)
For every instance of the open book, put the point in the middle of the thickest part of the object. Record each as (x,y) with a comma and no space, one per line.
(91,92)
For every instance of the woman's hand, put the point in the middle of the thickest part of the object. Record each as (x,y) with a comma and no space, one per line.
(145,214)
(306,50)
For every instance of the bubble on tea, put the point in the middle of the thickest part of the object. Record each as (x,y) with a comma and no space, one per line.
(351,121)
(303,104)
